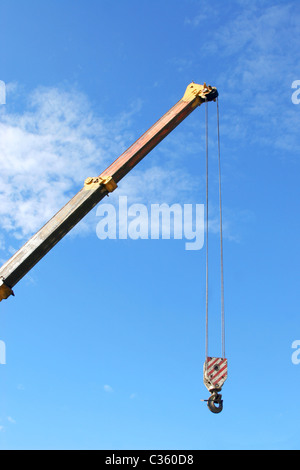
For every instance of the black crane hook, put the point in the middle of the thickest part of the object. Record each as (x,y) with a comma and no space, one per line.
(215,402)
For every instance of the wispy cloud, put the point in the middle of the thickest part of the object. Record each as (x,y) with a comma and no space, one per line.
(107,388)
(196,18)
(257,53)
(46,152)
(11,420)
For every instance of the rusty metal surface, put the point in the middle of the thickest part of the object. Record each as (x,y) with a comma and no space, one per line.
(150,139)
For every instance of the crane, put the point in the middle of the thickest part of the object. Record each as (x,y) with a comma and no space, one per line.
(94,189)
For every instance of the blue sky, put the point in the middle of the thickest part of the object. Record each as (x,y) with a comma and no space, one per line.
(105,339)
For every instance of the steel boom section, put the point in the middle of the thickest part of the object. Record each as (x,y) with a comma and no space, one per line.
(91,194)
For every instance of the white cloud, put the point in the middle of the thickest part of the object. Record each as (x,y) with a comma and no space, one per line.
(47,151)
(107,388)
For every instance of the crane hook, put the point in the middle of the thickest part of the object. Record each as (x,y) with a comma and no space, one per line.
(215,402)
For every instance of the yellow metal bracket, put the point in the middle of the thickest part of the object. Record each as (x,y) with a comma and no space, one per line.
(5,290)
(95,182)
(204,92)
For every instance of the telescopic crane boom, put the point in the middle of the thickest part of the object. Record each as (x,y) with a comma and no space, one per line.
(96,188)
